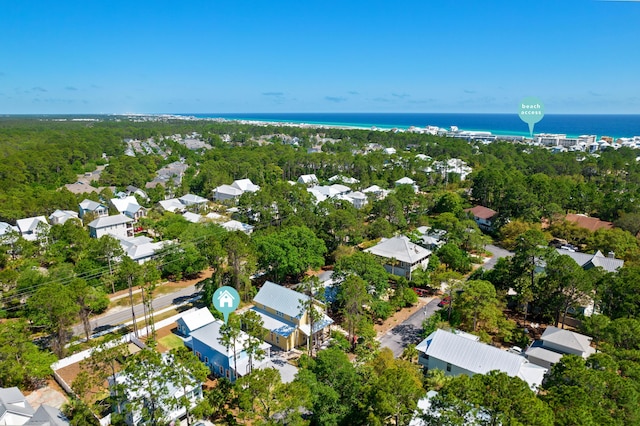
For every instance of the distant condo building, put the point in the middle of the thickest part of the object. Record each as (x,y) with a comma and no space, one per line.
(549,139)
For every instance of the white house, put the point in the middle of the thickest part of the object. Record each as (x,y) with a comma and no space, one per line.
(174,392)
(172,205)
(59,217)
(227,193)
(140,249)
(308,180)
(377,192)
(31,227)
(234,225)
(6,228)
(129,206)
(461,353)
(90,206)
(245,185)
(15,410)
(357,198)
(407,181)
(192,199)
(193,217)
(117,225)
(401,256)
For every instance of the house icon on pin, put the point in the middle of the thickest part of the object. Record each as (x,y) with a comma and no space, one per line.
(225,299)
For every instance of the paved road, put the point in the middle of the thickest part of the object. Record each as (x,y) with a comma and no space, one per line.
(409,330)
(497,254)
(120,315)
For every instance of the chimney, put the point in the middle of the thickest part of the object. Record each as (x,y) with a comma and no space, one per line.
(611,255)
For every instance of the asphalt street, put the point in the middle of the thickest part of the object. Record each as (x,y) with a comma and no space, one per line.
(409,330)
(120,315)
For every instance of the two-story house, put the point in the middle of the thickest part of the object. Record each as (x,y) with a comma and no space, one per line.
(400,255)
(129,206)
(286,321)
(205,343)
(93,207)
(118,225)
(483,216)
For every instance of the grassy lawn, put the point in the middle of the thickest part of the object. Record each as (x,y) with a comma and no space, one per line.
(170,341)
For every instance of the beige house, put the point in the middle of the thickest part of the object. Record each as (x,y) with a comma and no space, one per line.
(285,318)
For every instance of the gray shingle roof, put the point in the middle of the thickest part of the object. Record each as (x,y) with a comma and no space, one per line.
(13,401)
(46,415)
(568,339)
(401,249)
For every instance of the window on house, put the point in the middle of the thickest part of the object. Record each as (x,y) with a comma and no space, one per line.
(221,370)
(449,367)
(277,339)
(199,355)
(206,360)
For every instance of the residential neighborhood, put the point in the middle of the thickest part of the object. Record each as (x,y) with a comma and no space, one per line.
(412,260)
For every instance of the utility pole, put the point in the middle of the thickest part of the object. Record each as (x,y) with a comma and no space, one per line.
(133,311)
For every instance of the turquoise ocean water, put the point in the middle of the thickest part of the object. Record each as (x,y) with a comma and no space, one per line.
(498,124)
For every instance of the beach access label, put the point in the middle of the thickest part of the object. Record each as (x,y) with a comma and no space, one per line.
(531,112)
(226,300)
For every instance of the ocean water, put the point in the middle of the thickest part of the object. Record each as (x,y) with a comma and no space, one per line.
(499,124)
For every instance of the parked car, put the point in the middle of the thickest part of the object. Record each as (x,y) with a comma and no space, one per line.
(445,301)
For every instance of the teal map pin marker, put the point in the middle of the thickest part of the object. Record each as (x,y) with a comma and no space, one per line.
(531,112)
(226,300)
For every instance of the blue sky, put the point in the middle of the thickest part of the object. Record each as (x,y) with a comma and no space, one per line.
(577,56)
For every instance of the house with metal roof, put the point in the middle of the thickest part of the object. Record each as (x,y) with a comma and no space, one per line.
(194,320)
(400,255)
(227,193)
(172,205)
(129,206)
(245,185)
(16,410)
(118,225)
(192,199)
(461,353)
(286,320)
(205,343)
(234,225)
(90,206)
(587,261)
(555,343)
(6,228)
(59,217)
(309,180)
(140,249)
(31,227)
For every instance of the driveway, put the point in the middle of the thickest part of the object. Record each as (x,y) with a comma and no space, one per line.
(407,332)
(497,253)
